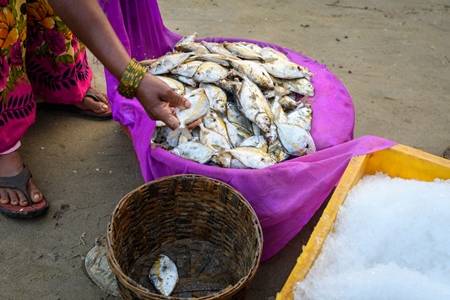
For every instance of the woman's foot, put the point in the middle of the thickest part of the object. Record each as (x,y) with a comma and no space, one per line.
(89,103)
(94,105)
(11,165)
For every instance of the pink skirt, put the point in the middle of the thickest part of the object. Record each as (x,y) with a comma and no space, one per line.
(36,59)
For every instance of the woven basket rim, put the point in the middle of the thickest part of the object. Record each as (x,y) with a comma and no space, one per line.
(131,284)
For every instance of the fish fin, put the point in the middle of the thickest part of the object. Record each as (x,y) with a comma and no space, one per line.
(147,62)
(186,133)
(278,112)
(175,133)
(269,60)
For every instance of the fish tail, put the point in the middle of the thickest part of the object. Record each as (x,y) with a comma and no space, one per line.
(181,130)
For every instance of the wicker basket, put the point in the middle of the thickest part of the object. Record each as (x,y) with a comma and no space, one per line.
(204,225)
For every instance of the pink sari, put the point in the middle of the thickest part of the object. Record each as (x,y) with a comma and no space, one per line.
(55,62)
(285,196)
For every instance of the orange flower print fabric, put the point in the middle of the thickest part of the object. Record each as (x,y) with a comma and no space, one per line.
(17,106)
(53,64)
(57,64)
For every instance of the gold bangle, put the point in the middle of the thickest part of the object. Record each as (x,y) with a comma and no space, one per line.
(131,78)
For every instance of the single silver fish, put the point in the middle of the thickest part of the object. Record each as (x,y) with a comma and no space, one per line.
(230,86)
(251,157)
(193,47)
(164,275)
(252,46)
(295,140)
(217,97)
(213,57)
(236,134)
(254,71)
(187,69)
(213,139)
(187,39)
(166,63)
(284,69)
(302,86)
(174,84)
(195,151)
(235,116)
(302,116)
(216,48)
(242,51)
(188,81)
(199,107)
(255,141)
(268,53)
(288,102)
(254,105)
(213,121)
(210,72)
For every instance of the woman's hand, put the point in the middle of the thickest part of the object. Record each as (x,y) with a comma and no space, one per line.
(159,101)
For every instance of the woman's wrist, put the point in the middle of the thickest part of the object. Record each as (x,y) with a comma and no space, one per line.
(131,79)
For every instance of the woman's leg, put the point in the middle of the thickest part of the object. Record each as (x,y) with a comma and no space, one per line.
(17,106)
(57,63)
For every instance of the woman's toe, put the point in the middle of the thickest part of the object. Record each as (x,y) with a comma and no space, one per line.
(34,192)
(4,198)
(13,197)
(23,201)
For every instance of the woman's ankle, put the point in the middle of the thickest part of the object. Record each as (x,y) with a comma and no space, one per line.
(11,164)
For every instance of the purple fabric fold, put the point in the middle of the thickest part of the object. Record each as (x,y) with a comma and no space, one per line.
(284,196)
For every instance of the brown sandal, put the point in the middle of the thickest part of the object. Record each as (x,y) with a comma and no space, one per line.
(19,182)
(83,112)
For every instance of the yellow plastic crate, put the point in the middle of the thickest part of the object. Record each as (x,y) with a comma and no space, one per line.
(398,161)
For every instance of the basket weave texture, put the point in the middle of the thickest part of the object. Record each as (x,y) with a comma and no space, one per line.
(204,225)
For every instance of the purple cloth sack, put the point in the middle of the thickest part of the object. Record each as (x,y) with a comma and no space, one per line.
(284,196)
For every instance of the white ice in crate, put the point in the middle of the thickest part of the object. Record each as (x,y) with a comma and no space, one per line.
(391,242)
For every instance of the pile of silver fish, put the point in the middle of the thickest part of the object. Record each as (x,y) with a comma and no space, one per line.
(252,102)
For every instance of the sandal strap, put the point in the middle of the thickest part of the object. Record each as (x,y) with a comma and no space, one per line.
(18,182)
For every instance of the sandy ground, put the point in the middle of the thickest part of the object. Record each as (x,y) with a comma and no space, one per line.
(392,56)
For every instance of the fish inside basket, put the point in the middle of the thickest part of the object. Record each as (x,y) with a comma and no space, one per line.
(203,225)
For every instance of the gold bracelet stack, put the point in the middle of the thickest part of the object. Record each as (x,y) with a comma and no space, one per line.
(131,78)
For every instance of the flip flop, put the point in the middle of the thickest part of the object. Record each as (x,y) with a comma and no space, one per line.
(19,182)
(83,112)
